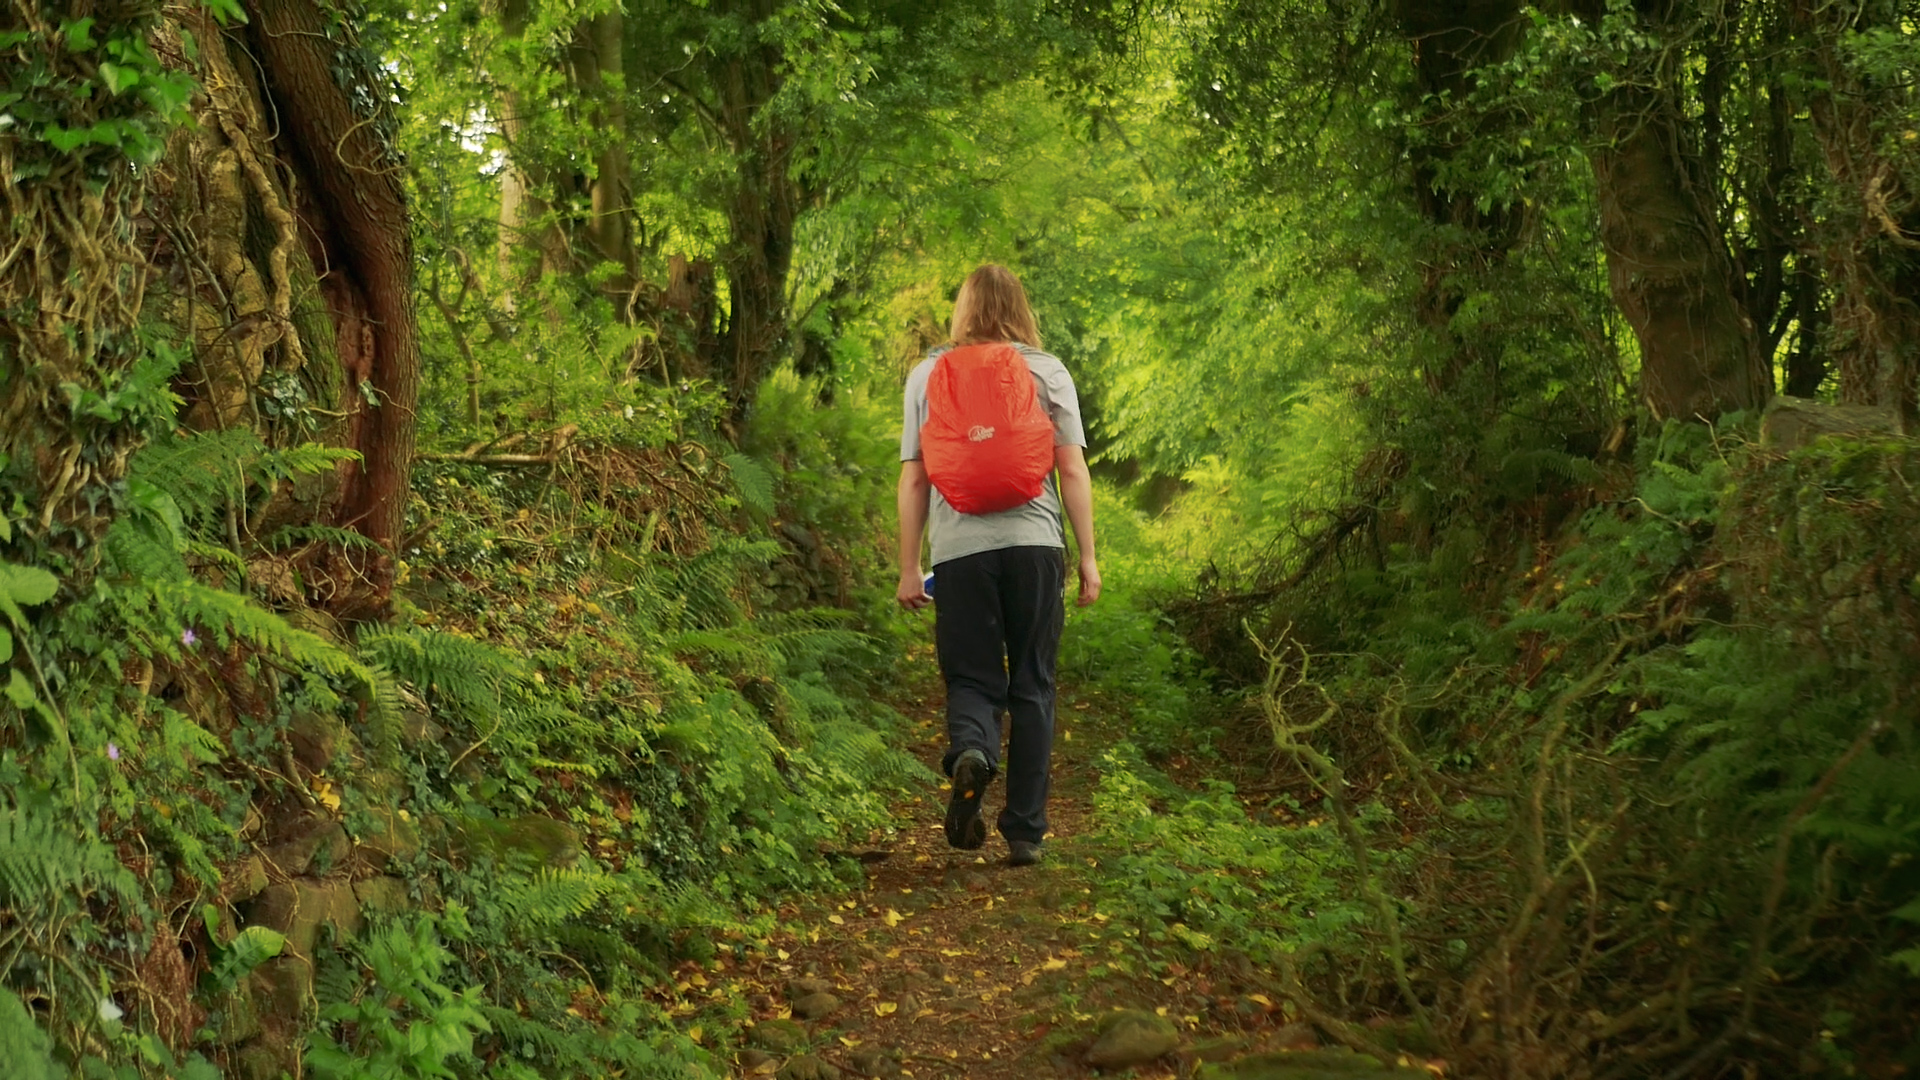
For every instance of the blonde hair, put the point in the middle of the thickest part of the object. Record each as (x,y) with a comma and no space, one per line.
(993,307)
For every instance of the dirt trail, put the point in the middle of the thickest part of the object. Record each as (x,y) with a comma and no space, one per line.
(950,963)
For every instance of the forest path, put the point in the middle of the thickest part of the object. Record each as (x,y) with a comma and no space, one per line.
(952,963)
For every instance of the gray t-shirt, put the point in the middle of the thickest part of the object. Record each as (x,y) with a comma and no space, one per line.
(1034,524)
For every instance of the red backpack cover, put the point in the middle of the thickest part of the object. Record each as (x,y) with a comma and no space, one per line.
(987,443)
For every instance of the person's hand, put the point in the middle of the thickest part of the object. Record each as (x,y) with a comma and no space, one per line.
(1089,581)
(912,593)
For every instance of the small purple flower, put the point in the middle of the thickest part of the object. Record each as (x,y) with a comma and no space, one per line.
(187,636)
(113,752)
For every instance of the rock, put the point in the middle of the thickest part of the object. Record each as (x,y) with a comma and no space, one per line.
(1295,1037)
(299,909)
(1790,422)
(260,1063)
(382,895)
(875,1063)
(1309,1065)
(816,1006)
(909,1003)
(244,879)
(319,845)
(756,1062)
(800,988)
(418,728)
(388,838)
(1131,1037)
(317,738)
(974,881)
(534,840)
(1224,1048)
(808,1067)
(282,989)
(235,1018)
(315,621)
(777,1036)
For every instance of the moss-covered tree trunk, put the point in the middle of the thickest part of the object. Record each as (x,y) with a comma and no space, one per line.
(1450,40)
(1870,242)
(77,384)
(291,262)
(760,214)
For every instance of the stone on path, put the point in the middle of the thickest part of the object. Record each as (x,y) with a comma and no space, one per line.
(875,1063)
(1131,1037)
(756,1062)
(778,1036)
(815,1006)
(800,988)
(1310,1065)
(808,1067)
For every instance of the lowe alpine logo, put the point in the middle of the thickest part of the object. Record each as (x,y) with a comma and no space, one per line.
(979,433)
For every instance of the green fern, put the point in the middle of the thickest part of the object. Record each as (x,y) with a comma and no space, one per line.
(554,896)
(753,480)
(330,535)
(23,1046)
(457,672)
(46,867)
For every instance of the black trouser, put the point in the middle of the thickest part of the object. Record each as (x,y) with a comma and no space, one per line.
(997,621)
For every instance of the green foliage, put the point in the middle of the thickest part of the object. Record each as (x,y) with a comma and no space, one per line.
(24,1047)
(404,1023)
(1202,876)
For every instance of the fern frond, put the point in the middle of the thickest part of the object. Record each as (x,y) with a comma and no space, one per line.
(330,535)
(137,547)
(554,896)
(468,675)
(43,863)
(200,470)
(753,480)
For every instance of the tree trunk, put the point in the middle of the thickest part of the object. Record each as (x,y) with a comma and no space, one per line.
(1668,266)
(1870,245)
(336,140)
(1449,41)
(760,218)
(73,274)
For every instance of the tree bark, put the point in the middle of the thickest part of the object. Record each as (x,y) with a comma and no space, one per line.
(1449,41)
(335,140)
(1870,244)
(760,216)
(1668,266)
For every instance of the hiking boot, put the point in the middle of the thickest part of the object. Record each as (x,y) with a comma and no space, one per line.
(1022,853)
(970,778)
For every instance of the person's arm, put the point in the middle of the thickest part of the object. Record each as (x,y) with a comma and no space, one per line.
(1076,491)
(911,500)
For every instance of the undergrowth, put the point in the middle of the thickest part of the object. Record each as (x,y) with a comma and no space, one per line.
(620,713)
(1662,759)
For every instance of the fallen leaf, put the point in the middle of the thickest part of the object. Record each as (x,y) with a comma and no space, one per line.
(893,917)
(1053,965)
(836,920)
(885,1008)
(1261,998)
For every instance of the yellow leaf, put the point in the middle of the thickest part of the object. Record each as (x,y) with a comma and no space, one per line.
(1261,998)
(836,920)
(885,1008)
(695,1032)
(893,917)
(1053,965)
(849,1041)
(781,953)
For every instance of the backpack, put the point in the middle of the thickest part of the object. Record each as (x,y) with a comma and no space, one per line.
(987,443)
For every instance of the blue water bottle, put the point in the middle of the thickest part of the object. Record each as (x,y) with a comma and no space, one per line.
(927,585)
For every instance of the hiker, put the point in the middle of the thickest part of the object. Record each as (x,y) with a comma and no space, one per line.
(999,547)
